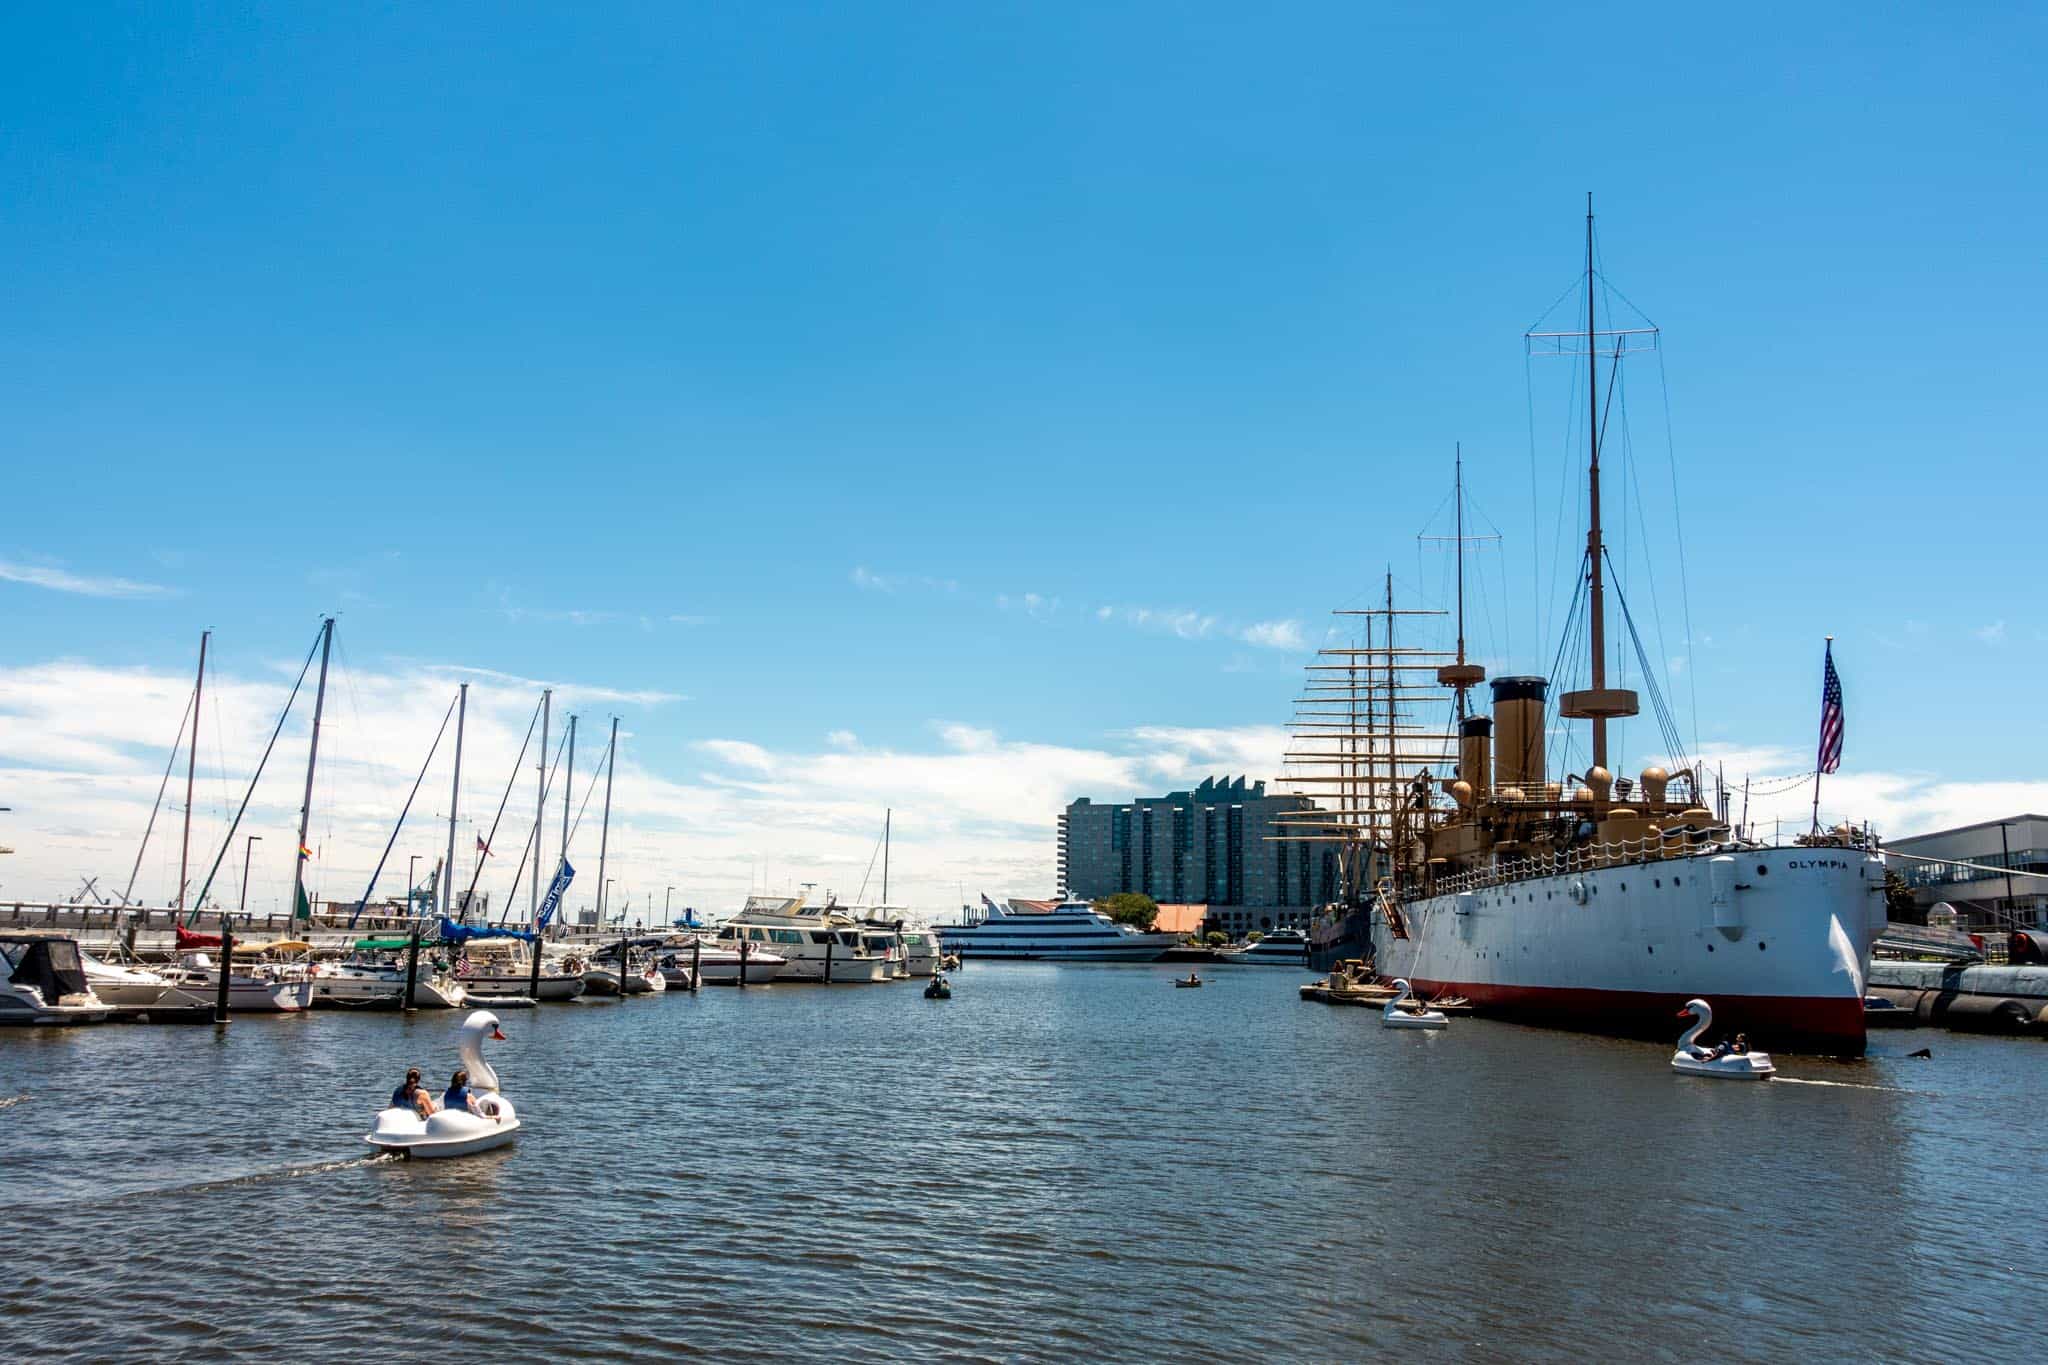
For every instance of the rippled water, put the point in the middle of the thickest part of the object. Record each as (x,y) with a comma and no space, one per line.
(1060,1160)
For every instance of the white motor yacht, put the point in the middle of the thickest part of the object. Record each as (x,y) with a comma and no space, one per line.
(506,972)
(366,981)
(921,951)
(124,985)
(1281,948)
(813,942)
(46,982)
(718,964)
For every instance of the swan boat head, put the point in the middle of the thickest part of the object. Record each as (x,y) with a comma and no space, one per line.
(480,1025)
(1703,1015)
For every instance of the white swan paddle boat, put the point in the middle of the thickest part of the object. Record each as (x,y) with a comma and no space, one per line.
(1403,1011)
(454,1132)
(1693,1060)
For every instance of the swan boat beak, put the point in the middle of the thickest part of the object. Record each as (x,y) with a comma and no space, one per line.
(497,1034)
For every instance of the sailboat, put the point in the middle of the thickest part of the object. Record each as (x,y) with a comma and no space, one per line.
(1585,899)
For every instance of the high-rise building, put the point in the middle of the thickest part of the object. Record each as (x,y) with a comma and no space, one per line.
(1209,845)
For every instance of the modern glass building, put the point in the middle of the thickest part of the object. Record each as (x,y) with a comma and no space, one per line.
(1209,845)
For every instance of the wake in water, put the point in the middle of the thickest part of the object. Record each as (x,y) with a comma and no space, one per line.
(1847,1085)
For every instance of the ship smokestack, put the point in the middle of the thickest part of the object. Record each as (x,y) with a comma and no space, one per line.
(1475,756)
(1518,731)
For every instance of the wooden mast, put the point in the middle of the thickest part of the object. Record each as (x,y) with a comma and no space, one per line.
(1598,703)
(191,771)
(312,756)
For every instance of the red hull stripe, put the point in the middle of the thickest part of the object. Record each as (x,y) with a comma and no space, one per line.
(1812,1023)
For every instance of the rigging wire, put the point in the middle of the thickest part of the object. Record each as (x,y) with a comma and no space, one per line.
(161,787)
(391,843)
(282,716)
(534,831)
(477,873)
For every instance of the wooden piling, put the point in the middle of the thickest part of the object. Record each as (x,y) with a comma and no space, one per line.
(696,958)
(412,970)
(227,966)
(533,977)
(743,960)
(623,952)
(829,938)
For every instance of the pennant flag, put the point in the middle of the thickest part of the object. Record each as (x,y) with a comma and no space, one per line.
(556,890)
(482,847)
(305,852)
(303,909)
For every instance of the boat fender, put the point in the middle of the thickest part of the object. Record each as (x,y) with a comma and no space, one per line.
(1579,891)
(1467,904)
(1722,886)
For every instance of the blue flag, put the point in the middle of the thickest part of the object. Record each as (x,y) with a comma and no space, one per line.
(556,890)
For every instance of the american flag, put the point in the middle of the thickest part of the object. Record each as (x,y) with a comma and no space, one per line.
(482,847)
(1830,715)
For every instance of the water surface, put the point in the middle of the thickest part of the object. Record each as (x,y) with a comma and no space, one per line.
(1058,1161)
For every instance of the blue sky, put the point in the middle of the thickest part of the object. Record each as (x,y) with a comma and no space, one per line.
(861,371)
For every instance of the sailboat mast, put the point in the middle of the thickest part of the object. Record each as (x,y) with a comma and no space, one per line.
(1596,593)
(312,756)
(568,780)
(886,814)
(540,799)
(191,771)
(604,839)
(454,800)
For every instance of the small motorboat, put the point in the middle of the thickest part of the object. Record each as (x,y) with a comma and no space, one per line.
(446,1132)
(1878,1012)
(45,982)
(1404,1011)
(1718,1062)
(938,989)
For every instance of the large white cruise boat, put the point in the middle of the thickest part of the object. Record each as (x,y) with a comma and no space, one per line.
(1051,931)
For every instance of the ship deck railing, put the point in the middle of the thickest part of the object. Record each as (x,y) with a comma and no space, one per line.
(1582,858)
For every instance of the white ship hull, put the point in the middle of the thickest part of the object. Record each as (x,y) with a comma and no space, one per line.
(1778,940)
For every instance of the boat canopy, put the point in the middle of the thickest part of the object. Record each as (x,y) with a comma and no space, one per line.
(51,965)
(283,945)
(459,934)
(189,941)
(388,945)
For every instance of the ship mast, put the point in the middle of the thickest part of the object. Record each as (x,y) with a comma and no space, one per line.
(1598,703)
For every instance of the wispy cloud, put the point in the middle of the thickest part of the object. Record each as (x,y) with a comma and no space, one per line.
(1993,634)
(1274,635)
(1181,621)
(1035,605)
(684,620)
(60,580)
(868,580)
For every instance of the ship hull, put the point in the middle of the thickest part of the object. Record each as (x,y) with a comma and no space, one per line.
(1777,940)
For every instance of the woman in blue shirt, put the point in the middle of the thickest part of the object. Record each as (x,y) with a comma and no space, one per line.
(458,1098)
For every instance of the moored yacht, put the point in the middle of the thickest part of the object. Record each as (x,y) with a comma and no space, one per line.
(1052,931)
(123,985)
(812,941)
(1281,948)
(46,982)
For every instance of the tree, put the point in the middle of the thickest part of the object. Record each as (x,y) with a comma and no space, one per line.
(1217,938)
(1253,937)
(1898,900)
(1132,908)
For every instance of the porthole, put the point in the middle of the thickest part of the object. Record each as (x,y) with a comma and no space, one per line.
(1677,881)
(1651,949)
(1624,886)
(1759,945)
(1658,883)
(1762,871)
(1710,947)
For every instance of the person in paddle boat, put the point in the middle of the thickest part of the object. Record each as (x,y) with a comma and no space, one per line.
(460,1100)
(1194,978)
(412,1095)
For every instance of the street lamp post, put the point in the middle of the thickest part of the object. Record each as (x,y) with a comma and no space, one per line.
(411,881)
(247,849)
(604,899)
(2011,911)
(664,903)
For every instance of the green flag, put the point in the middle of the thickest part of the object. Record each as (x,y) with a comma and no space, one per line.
(304,909)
